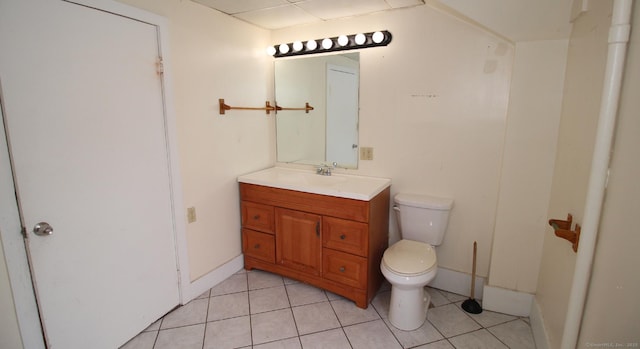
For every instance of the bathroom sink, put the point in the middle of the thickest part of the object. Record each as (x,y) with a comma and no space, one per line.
(339,185)
(307,178)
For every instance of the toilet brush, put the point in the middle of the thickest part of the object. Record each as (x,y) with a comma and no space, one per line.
(470,305)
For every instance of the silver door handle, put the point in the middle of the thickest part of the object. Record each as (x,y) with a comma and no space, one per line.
(43,229)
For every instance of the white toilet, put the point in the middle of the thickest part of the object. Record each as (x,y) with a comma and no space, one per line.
(411,263)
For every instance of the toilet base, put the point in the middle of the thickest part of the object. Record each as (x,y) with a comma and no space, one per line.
(408,307)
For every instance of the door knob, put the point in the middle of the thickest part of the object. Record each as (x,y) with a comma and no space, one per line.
(43,229)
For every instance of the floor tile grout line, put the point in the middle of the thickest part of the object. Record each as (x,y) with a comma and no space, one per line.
(466,332)
(431,323)
(347,337)
(246,275)
(476,330)
(502,323)
(206,320)
(498,338)
(451,344)
(295,323)
(336,314)
(493,325)
(275,341)
(437,329)
(339,322)
(312,303)
(385,323)
(320,331)
(155,341)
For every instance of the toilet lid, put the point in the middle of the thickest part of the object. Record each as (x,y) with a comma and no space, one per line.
(410,257)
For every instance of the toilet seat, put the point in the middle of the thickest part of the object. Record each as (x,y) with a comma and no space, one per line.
(408,258)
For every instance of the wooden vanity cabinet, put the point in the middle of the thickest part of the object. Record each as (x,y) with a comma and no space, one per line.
(329,242)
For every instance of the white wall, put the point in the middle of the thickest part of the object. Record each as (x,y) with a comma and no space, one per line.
(583,87)
(612,311)
(215,56)
(433,105)
(520,20)
(527,168)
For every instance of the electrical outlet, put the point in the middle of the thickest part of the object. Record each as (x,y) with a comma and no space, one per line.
(366,153)
(191,214)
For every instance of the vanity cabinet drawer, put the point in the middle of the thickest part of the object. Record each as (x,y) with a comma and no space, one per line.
(258,217)
(351,209)
(259,245)
(346,236)
(344,268)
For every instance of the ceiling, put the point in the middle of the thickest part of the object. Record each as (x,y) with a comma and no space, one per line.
(276,14)
(517,20)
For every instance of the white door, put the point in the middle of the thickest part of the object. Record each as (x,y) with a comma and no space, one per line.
(84,110)
(342,115)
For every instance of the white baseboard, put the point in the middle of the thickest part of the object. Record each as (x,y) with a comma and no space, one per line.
(506,301)
(457,282)
(446,279)
(214,277)
(537,327)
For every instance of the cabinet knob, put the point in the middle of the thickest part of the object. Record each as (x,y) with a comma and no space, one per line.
(342,237)
(256,246)
(256,217)
(342,269)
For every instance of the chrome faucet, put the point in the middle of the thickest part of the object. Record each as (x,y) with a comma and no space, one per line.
(325,170)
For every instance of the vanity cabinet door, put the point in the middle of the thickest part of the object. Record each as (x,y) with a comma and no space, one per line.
(298,240)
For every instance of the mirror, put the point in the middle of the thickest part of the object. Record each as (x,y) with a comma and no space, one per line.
(329,132)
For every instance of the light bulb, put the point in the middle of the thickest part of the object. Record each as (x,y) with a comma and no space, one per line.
(271,50)
(327,43)
(377,37)
(284,48)
(312,45)
(297,46)
(360,39)
(343,40)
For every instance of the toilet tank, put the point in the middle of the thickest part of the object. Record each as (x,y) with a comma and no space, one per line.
(422,218)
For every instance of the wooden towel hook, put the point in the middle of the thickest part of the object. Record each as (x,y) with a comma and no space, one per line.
(224,107)
(306,108)
(562,229)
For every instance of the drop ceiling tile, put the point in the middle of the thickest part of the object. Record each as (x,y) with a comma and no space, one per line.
(329,9)
(238,6)
(278,17)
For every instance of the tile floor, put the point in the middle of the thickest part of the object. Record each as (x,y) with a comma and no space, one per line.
(257,309)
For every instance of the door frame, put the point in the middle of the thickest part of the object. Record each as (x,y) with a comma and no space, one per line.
(15,253)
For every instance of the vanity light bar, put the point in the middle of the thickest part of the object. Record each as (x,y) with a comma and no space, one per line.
(336,43)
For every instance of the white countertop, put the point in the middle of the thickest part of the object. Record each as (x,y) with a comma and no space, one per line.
(339,185)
